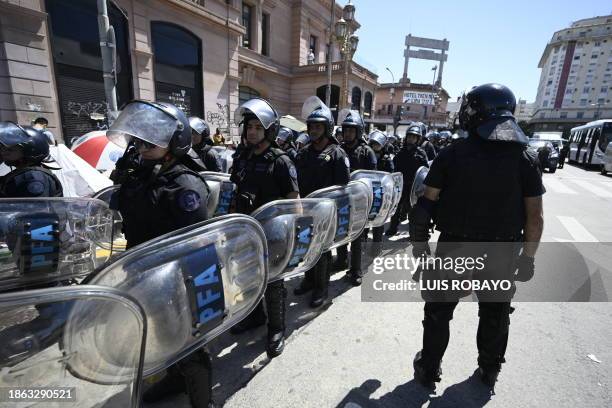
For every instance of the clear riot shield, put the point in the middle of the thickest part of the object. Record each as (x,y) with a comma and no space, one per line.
(118,243)
(398,180)
(222,192)
(193,283)
(226,157)
(382,194)
(45,240)
(418,186)
(297,231)
(77,346)
(353,203)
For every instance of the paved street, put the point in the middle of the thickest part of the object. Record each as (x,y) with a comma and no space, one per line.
(356,354)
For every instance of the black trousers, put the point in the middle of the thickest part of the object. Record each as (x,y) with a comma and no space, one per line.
(272,307)
(356,254)
(491,338)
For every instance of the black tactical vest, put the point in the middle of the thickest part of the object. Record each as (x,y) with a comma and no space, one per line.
(482,198)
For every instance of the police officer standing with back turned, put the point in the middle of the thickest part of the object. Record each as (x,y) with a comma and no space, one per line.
(486,189)
(320,164)
(407,161)
(263,173)
(361,157)
(26,149)
(202,144)
(158,195)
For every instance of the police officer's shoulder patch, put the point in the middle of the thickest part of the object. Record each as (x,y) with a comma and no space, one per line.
(189,200)
(35,187)
(347,162)
(292,171)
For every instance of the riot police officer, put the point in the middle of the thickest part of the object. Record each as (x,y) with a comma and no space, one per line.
(424,142)
(202,144)
(262,173)
(26,149)
(302,140)
(284,140)
(162,194)
(361,157)
(486,189)
(378,142)
(322,163)
(407,161)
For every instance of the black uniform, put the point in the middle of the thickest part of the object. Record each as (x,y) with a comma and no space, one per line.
(429,149)
(261,179)
(209,157)
(361,157)
(483,185)
(33,181)
(407,161)
(155,205)
(384,163)
(317,170)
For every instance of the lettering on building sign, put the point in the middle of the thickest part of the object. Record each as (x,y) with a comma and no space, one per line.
(178,100)
(420,98)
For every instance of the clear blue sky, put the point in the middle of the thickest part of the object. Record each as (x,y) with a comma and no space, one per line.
(490,40)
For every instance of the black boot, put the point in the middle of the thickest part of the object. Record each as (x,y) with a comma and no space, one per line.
(354,277)
(307,283)
(426,374)
(255,319)
(341,262)
(321,281)
(275,302)
(197,370)
(488,376)
(173,383)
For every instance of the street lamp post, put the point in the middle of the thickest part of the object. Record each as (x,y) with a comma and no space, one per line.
(392,89)
(348,45)
(597,111)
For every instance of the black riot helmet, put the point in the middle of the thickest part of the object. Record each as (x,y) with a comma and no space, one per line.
(351,119)
(199,126)
(414,130)
(488,111)
(32,142)
(285,135)
(158,123)
(315,111)
(262,110)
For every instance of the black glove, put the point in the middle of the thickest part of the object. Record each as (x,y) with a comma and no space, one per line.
(525,268)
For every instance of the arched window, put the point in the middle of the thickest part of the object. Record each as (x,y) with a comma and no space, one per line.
(245,93)
(356,99)
(75,45)
(367,104)
(177,67)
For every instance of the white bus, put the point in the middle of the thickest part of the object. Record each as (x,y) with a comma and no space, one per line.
(589,144)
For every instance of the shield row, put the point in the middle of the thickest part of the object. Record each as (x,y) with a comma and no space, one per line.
(136,312)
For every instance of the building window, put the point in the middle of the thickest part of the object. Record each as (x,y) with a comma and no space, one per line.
(563,115)
(247,22)
(367,104)
(265,34)
(597,44)
(245,93)
(604,90)
(313,46)
(545,104)
(549,83)
(579,115)
(586,90)
(177,67)
(577,57)
(594,56)
(568,91)
(601,101)
(356,99)
(389,109)
(583,102)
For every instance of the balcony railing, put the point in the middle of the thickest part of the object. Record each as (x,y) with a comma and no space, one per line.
(337,66)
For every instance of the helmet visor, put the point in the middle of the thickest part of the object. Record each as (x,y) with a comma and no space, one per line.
(143,121)
(11,134)
(197,124)
(356,117)
(312,104)
(502,129)
(264,112)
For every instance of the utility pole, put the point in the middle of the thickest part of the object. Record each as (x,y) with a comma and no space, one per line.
(109,59)
(330,54)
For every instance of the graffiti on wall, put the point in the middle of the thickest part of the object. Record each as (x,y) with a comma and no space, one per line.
(91,110)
